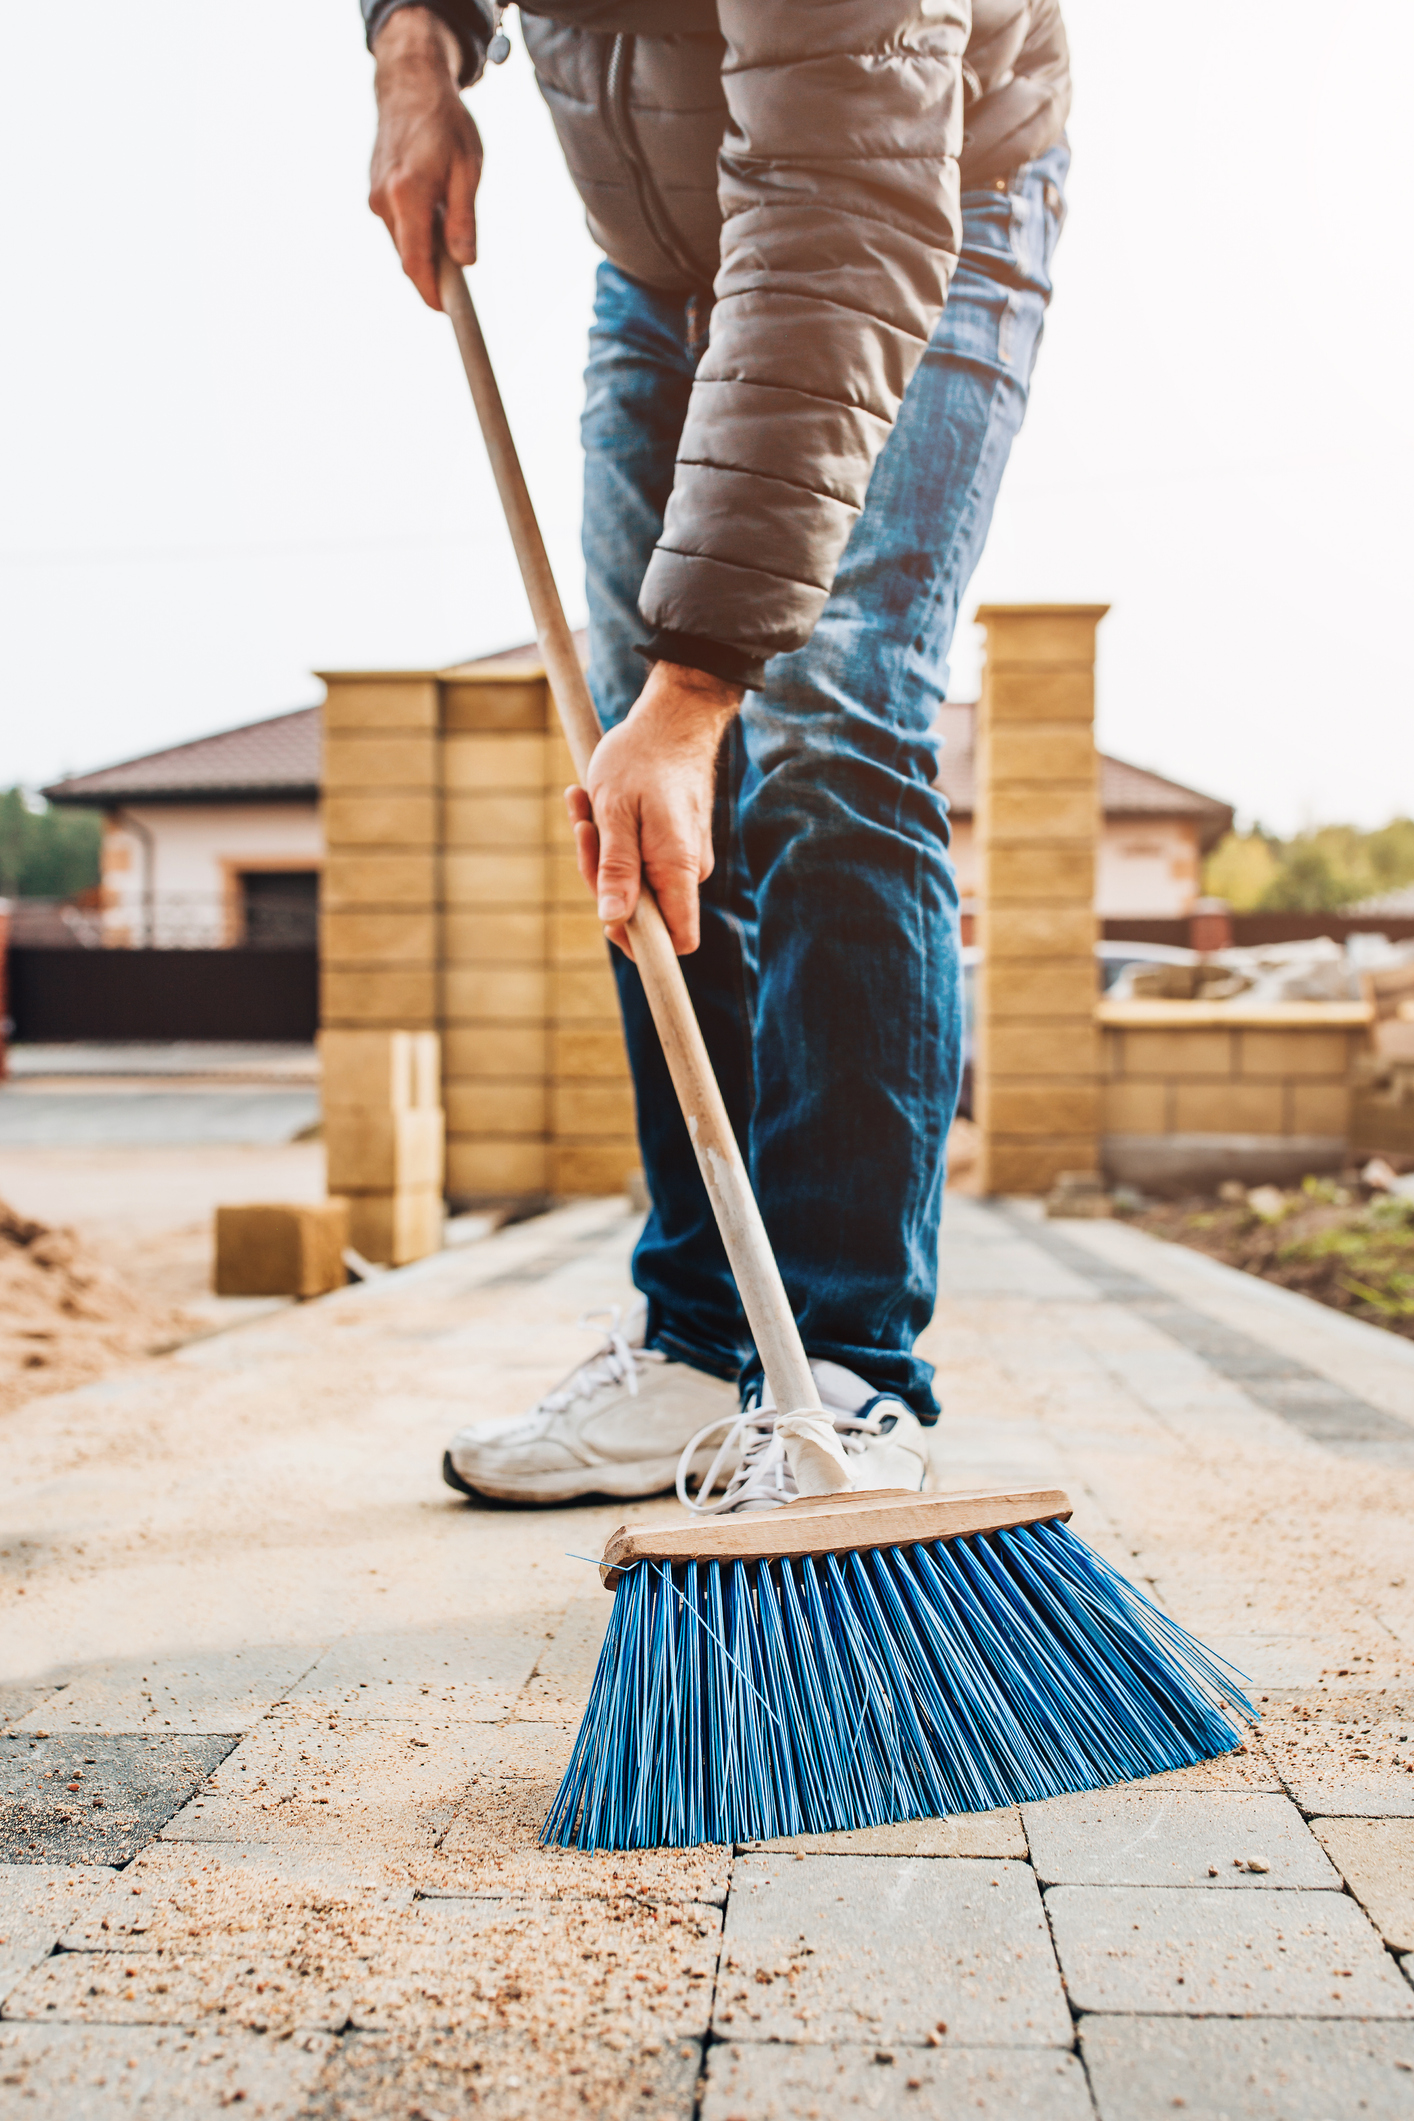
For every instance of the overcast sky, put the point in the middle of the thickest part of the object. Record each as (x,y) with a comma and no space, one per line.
(238,450)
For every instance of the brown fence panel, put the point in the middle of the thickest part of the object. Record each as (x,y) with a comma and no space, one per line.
(56,995)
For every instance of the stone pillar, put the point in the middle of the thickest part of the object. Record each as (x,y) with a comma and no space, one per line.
(1037,823)
(452,903)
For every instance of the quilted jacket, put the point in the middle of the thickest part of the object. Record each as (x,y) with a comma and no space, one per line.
(800,163)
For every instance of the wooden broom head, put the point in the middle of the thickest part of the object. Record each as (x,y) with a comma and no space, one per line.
(833,1524)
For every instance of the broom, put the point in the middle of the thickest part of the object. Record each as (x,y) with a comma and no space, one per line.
(847,1659)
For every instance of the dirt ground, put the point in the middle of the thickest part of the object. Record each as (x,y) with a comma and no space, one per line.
(1341,1244)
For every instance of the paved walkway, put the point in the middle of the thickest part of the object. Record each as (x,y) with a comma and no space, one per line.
(282,1718)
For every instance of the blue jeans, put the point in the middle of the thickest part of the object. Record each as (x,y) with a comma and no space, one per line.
(828,982)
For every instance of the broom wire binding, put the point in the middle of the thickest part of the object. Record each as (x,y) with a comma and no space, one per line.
(746,1700)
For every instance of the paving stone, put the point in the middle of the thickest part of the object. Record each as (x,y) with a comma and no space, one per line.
(157,2073)
(1376,1859)
(996,1833)
(95,1799)
(493,1844)
(806,2083)
(387,2076)
(616,1971)
(1174,1837)
(472,1673)
(231,1892)
(883,1949)
(221,1691)
(1143,2069)
(38,1903)
(1197,1954)
(1340,1754)
(18,1701)
(300,1778)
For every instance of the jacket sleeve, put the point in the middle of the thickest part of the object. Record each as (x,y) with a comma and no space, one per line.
(468,20)
(841,226)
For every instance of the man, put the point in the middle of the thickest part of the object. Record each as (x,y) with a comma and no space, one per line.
(828,235)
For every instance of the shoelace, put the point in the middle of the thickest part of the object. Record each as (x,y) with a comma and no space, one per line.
(616,1363)
(760,1469)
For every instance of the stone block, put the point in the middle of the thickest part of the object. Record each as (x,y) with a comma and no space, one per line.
(368,1150)
(502,993)
(395,818)
(505,820)
(825,1948)
(395,1228)
(373,703)
(1259,1954)
(85,1798)
(275,1250)
(361,937)
(585,992)
(1142,2069)
(479,1106)
(590,1052)
(1069,1044)
(1039,633)
(39,1902)
(1319,1108)
(1039,987)
(1230,1108)
(494,935)
(1039,930)
(511,703)
(495,1050)
(590,1108)
(1376,1859)
(1175,1837)
(1033,1166)
(1041,750)
(509,877)
(354,759)
(1178,1053)
(1043,1108)
(1299,1051)
(576,935)
(1043,814)
(1015,873)
(497,1170)
(393,1071)
(351,881)
(482,764)
(802,2083)
(354,997)
(592,1170)
(1134,1108)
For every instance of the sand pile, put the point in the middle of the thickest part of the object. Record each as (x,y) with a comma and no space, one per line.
(66,1318)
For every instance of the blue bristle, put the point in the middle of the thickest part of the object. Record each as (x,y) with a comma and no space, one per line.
(742,1701)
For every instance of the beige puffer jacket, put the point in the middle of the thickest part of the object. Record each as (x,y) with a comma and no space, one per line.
(803,159)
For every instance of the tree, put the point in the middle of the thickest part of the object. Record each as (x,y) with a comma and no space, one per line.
(46,852)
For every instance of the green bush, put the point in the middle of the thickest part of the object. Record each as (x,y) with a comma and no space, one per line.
(1321,871)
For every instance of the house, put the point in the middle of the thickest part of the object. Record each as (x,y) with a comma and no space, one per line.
(213,843)
(1151,847)
(218,842)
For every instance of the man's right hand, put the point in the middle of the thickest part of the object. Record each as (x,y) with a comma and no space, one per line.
(427,157)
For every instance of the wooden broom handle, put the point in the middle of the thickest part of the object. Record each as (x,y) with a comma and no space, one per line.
(748,1248)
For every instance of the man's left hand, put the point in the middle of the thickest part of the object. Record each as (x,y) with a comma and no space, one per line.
(647,811)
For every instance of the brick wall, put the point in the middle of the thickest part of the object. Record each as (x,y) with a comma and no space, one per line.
(1192,1093)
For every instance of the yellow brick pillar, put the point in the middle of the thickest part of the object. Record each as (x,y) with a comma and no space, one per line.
(1037,825)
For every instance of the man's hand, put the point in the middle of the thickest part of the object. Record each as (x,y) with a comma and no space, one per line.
(427,157)
(647,812)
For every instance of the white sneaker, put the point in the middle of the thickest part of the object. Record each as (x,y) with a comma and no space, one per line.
(616,1426)
(884,1444)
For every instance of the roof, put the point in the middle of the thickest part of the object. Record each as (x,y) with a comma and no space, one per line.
(1125,790)
(278,760)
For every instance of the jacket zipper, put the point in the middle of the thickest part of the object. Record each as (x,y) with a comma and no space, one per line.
(618,121)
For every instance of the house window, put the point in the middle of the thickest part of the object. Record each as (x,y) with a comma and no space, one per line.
(279,908)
